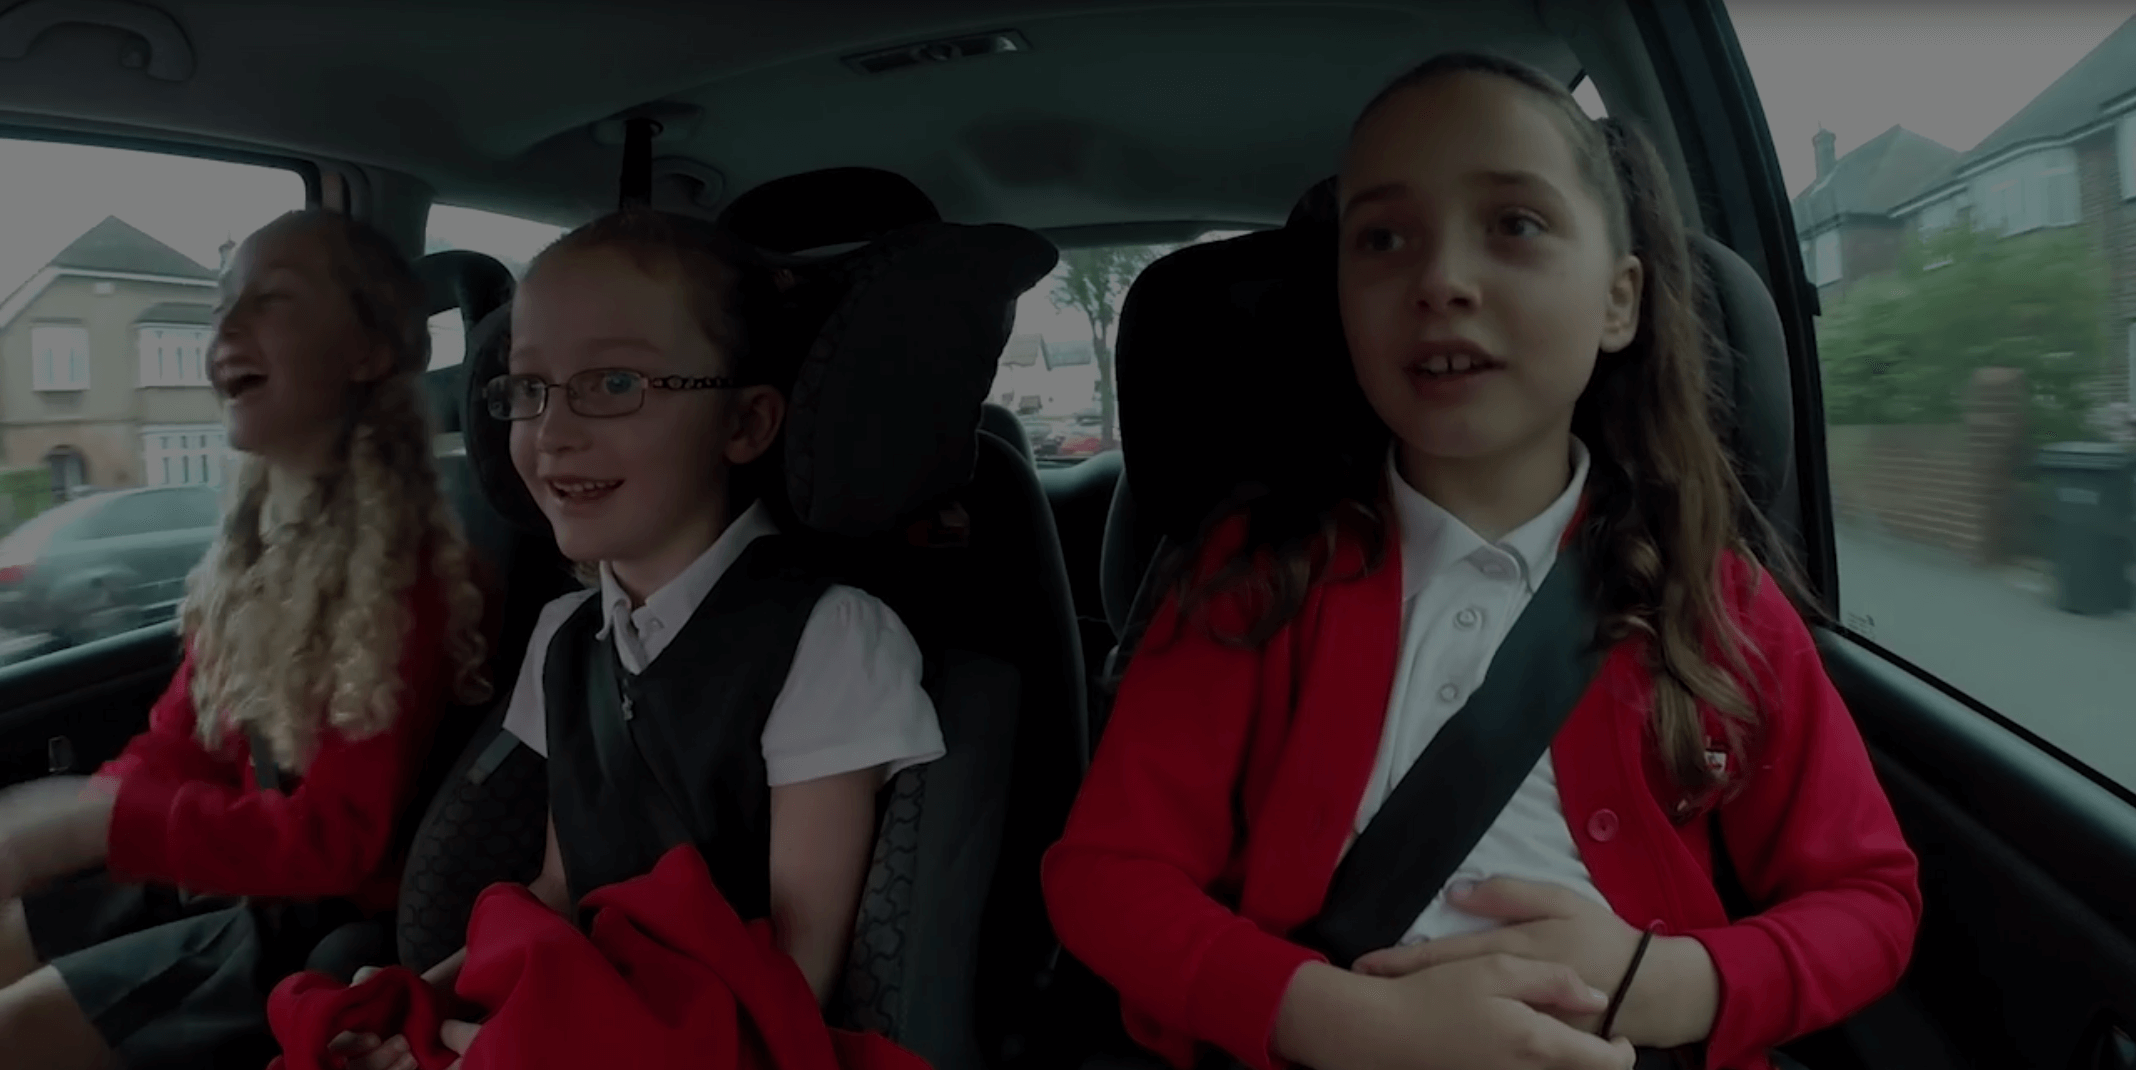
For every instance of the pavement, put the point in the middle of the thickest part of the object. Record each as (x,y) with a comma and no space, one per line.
(1996,635)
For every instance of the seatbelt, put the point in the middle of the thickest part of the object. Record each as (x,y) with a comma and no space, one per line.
(1467,774)
(638,134)
(616,744)
(265,774)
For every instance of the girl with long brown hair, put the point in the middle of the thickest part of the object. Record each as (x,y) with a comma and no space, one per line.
(327,628)
(1522,315)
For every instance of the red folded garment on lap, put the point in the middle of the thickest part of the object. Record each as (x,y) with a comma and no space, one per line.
(668,976)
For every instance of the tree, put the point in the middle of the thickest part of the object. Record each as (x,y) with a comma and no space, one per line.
(1902,348)
(1092,281)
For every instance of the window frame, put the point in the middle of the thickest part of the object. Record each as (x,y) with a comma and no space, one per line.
(157,361)
(45,377)
(213,455)
(309,171)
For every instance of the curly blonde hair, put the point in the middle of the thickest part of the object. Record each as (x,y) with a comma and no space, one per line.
(298,613)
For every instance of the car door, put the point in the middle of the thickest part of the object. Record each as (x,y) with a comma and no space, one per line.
(2002,721)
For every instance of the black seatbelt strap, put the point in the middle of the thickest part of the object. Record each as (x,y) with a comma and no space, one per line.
(265,774)
(1466,775)
(617,745)
(638,134)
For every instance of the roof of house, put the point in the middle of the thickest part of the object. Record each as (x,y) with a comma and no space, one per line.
(2076,100)
(118,246)
(1874,178)
(1069,355)
(184,312)
(1022,351)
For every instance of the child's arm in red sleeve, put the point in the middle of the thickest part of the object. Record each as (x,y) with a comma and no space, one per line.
(1151,830)
(324,838)
(171,749)
(1813,835)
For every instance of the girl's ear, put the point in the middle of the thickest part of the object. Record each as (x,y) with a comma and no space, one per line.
(760,414)
(1620,320)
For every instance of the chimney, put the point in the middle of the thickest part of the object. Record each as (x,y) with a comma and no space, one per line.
(228,246)
(1825,156)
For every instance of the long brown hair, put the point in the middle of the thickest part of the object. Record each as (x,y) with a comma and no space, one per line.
(299,611)
(1664,501)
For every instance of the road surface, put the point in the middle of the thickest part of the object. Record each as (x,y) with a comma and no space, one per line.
(1997,637)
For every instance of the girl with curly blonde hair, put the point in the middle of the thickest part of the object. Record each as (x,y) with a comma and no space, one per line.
(332,623)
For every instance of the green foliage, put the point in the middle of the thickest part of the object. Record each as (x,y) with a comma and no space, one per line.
(1092,281)
(1902,348)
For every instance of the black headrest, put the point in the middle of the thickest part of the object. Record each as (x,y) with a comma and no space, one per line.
(1750,373)
(885,405)
(1231,369)
(836,206)
(1003,424)
(474,283)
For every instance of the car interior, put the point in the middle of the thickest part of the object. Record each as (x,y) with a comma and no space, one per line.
(1028,130)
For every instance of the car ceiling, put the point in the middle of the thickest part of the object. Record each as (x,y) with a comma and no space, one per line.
(1120,112)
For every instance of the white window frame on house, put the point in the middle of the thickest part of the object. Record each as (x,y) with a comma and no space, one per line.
(1828,268)
(2038,189)
(59,357)
(173,354)
(184,455)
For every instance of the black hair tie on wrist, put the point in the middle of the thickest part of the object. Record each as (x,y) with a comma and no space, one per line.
(1616,999)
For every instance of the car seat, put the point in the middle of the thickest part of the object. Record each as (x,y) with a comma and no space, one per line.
(898,492)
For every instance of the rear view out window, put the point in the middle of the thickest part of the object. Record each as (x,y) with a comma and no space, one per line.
(109,261)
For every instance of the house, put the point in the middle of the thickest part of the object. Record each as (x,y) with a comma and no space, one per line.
(1844,219)
(2068,159)
(1038,377)
(103,365)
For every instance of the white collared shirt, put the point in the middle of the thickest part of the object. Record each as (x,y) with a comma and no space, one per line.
(851,701)
(1460,597)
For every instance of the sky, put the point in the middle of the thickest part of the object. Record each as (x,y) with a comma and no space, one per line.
(1951,71)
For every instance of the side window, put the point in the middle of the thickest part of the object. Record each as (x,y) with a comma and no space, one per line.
(1977,343)
(135,514)
(108,267)
(1056,373)
(510,239)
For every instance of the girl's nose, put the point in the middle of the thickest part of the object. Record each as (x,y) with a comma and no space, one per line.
(558,429)
(1445,276)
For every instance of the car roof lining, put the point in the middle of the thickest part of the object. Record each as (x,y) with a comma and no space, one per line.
(1211,112)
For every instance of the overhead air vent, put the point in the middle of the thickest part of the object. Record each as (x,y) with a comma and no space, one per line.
(944,50)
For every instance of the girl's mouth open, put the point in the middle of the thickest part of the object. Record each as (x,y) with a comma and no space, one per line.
(241,383)
(582,491)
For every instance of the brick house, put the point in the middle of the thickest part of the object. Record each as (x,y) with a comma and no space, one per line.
(103,366)
(1844,219)
(2068,159)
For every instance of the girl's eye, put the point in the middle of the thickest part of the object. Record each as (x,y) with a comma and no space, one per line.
(618,383)
(1378,240)
(1520,225)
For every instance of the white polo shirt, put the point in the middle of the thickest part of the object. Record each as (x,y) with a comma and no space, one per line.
(1460,597)
(851,701)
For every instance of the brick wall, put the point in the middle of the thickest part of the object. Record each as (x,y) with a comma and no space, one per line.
(1952,486)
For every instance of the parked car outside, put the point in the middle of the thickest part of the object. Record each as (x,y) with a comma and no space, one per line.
(104,564)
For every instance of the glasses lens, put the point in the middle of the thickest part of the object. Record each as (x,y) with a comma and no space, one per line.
(607,392)
(515,397)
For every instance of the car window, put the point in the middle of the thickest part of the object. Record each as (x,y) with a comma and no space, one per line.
(108,266)
(1056,373)
(512,240)
(128,515)
(1964,201)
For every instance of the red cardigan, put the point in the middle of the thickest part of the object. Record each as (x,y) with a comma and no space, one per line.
(1202,731)
(196,819)
(669,976)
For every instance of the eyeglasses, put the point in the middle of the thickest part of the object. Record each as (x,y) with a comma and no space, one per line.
(597,392)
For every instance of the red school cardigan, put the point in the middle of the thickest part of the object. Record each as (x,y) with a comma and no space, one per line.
(196,818)
(1137,887)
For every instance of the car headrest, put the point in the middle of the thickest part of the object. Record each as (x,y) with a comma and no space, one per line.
(1004,425)
(1231,370)
(1750,375)
(884,412)
(474,283)
(835,206)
